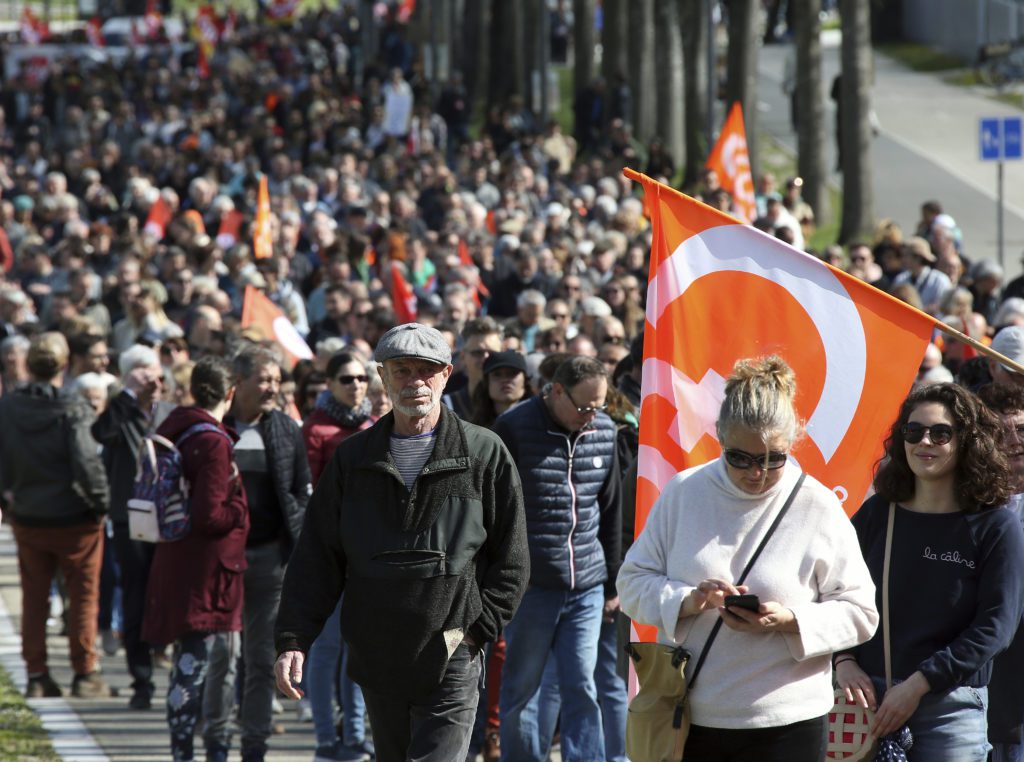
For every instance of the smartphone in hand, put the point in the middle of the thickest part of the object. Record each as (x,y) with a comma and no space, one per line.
(748,602)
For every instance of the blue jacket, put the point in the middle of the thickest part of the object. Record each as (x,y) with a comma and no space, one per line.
(572,495)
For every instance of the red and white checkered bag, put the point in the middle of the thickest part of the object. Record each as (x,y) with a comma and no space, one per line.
(849,737)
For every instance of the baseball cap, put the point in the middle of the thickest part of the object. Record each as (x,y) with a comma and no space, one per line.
(413,340)
(920,247)
(595,306)
(508,359)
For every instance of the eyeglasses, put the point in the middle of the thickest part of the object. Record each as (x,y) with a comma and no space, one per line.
(585,410)
(939,434)
(559,315)
(346,380)
(743,460)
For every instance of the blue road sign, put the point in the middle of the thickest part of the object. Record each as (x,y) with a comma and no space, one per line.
(991,140)
(1011,137)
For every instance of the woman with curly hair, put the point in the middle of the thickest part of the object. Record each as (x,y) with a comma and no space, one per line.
(955,585)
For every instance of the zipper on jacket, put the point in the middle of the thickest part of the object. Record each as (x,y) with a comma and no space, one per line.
(571,444)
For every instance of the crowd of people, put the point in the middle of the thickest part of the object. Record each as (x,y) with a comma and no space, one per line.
(128,198)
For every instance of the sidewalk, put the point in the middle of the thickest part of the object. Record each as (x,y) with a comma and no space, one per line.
(927,148)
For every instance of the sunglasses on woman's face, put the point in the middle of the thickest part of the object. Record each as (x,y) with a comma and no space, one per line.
(743,460)
(939,434)
(346,380)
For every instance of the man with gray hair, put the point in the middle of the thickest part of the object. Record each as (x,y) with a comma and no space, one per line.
(419,521)
(132,414)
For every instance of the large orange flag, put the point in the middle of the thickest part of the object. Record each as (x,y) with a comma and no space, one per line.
(260,313)
(262,241)
(730,159)
(720,291)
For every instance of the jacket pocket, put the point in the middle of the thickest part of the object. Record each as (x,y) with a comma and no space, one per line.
(459,529)
(227,585)
(409,564)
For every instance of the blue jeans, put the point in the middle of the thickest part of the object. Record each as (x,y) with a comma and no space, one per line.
(567,623)
(611,696)
(328,660)
(948,727)
(1008,752)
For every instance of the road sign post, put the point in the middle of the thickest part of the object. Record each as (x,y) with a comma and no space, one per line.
(999,140)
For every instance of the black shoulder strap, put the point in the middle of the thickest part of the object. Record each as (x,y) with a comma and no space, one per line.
(743,576)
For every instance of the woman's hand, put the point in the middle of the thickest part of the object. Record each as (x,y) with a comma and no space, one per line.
(770,617)
(856,684)
(709,594)
(899,704)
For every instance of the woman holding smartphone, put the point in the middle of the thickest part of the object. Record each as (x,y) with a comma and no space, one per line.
(955,581)
(765,688)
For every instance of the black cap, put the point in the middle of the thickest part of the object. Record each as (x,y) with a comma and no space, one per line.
(508,359)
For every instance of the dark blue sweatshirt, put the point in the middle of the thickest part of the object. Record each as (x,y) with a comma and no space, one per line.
(956,591)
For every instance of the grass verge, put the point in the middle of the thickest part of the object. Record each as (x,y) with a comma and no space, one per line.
(22,738)
(921,57)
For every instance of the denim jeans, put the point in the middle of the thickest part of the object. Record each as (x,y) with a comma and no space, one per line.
(567,623)
(948,727)
(1008,752)
(611,696)
(328,661)
(436,728)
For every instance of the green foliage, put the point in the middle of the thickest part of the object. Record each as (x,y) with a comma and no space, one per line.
(921,57)
(22,738)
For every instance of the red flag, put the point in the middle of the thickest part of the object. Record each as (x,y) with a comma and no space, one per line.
(153,19)
(206,31)
(405,10)
(262,242)
(136,38)
(230,224)
(33,29)
(94,32)
(270,322)
(157,219)
(721,291)
(402,295)
(731,161)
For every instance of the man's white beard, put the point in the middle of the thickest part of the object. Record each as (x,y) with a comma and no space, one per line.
(413,411)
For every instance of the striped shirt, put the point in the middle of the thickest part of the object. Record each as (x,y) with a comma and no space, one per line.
(411,453)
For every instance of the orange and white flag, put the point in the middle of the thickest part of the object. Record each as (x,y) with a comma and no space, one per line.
(730,159)
(720,291)
(402,296)
(262,238)
(261,314)
(156,220)
(34,30)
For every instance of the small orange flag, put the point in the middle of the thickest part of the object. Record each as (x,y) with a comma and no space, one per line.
(402,295)
(157,219)
(731,161)
(271,323)
(262,243)
(230,224)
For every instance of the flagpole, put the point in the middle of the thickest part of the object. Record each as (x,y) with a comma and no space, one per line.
(982,348)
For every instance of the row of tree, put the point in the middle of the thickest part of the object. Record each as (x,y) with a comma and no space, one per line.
(660,48)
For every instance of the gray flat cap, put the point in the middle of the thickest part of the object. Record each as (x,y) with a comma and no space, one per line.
(413,340)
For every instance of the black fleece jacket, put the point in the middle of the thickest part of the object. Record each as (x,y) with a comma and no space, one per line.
(420,567)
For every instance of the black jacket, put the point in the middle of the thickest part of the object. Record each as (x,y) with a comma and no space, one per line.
(120,429)
(448,555)
(49,460)
(289,470)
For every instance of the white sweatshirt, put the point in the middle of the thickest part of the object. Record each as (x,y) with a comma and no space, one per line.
(704,526)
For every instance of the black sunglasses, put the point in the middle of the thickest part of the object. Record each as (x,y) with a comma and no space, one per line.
(346,380)
(743,460)
(939,434)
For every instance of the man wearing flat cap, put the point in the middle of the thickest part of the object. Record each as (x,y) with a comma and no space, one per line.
(419,521)
(930,283)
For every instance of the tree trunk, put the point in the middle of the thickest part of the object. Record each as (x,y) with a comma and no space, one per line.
(615,40)
(583,44)
(669,78)
(641,70)
(854,117)
(475,51)
(809,109)
(693,21)
(741,68)
(531,53)
(506,66)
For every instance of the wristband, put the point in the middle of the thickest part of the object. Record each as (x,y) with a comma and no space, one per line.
(841,659)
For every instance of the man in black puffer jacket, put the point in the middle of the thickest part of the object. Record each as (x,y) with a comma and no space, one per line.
(51,472)
(564,446)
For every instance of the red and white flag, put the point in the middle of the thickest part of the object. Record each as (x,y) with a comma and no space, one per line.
(153,19)
(94,32)
(262,238)
(282,11)
(157,219)
(34,30)
(402,295)
(261,314)
(720,291)
(206,31)
(730,159)
(230,224)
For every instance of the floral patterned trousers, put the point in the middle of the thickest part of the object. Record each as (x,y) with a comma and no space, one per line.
(185,690)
